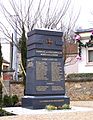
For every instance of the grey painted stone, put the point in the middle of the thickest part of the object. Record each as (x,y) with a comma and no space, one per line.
(45,70)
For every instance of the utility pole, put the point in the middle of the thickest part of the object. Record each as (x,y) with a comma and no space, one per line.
(11,53)
(15,51)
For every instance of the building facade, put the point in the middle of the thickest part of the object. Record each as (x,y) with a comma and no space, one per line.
(85,50)
(82,61)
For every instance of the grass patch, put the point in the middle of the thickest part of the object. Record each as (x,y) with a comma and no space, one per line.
(5,113)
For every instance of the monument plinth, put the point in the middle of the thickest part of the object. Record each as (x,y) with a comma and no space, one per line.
(45,82)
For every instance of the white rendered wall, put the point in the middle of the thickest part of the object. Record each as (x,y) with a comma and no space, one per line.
(71,67)
(83,65)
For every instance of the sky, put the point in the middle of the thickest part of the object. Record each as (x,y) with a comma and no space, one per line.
(84,21)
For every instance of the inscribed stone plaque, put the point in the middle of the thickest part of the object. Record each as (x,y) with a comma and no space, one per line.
(45,76)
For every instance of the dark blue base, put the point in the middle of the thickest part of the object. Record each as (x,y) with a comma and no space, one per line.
(40,102)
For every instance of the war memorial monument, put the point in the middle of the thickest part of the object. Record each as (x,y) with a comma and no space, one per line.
(45,83)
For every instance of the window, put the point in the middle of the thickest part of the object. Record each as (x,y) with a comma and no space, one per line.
(5,67)
(90,55)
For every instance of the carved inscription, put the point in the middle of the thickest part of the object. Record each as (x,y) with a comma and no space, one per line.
(43,67)
(49,53)
(41,70)
(41,88)
(56,71)
(45,101)
(57,88)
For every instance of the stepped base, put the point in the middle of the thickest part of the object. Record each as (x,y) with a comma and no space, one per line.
(40,102)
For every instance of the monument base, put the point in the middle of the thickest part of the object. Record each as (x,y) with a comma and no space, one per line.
(40,102)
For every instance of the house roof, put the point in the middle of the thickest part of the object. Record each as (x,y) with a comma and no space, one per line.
(71,48)
(85,33)
(84,30)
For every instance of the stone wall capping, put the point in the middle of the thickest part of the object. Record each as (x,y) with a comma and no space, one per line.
(16,82)
(79,79)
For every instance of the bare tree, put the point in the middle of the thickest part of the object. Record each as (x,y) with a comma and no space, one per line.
(69,42)
(49,14)
(46,14)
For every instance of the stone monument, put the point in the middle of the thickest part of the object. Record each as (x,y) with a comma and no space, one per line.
(45,82)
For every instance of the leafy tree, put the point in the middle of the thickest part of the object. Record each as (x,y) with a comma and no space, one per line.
(23,49)
(1,59)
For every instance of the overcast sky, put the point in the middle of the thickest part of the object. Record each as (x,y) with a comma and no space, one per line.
(86,18)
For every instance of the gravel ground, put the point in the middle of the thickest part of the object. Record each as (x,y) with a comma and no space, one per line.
(82,103)
(59,115)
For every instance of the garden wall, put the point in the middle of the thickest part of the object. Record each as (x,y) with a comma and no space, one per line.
(79,89)
(76,89)
(17,88)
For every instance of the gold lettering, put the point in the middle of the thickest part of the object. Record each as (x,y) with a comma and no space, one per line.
(41,70)
(41,88)
(57,88)
(48,53)
(56,71)
(45,101)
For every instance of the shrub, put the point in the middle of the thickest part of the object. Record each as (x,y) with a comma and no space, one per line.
(9,101)
(5,113)
(1,103)
(14,100)
(0,90)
